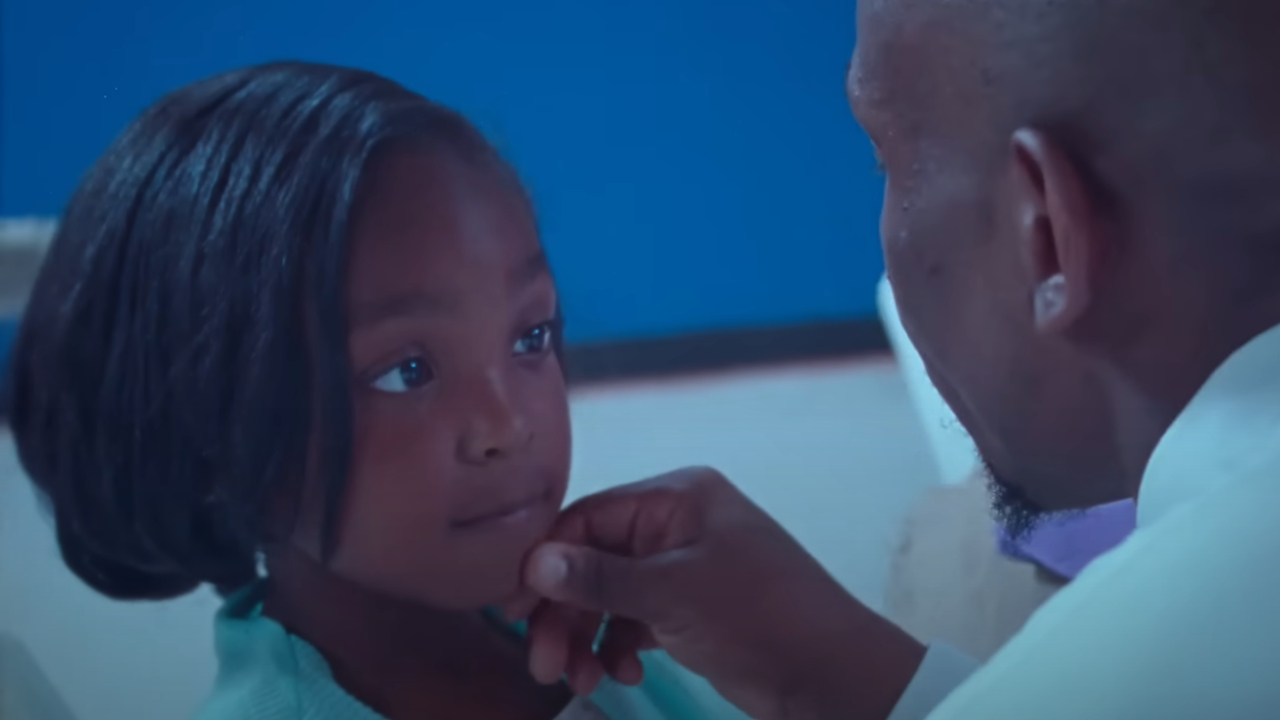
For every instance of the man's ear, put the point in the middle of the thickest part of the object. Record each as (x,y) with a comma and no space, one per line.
(1058,228)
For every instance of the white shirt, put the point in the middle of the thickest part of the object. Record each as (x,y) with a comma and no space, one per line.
(1182,620)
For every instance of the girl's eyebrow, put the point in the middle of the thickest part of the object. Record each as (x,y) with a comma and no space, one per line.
(534,267)
(415,303)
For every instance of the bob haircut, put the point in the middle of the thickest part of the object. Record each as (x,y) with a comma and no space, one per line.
(185,344)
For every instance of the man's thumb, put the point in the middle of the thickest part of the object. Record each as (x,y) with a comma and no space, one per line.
(590,579)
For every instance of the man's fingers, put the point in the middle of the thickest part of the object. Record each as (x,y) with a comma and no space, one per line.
(620,650)
(640,518)
(589,579)
(521,606)
(549,643)
(585,670)
(620,553)
(585,675)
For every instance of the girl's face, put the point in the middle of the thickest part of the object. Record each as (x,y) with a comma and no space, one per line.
(461,453)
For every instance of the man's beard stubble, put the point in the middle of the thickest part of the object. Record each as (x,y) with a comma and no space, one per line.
(1016,513)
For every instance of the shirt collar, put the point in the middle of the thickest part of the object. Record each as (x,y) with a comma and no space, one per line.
(1066,544)
(1228,429)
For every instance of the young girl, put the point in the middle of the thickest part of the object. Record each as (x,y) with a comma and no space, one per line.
(297,338)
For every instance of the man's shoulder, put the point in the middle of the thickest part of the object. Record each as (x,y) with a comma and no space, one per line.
(1176,622)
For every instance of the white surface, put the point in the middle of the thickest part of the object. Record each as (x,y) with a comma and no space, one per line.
(834,452)
(25,690)
(953,450)
(26,232)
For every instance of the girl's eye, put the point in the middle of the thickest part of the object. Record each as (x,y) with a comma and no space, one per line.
(536,341)
(409,375)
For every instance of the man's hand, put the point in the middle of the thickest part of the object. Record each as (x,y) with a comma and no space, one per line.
(687,563)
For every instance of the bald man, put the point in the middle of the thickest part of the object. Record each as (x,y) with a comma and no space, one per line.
(1073,188)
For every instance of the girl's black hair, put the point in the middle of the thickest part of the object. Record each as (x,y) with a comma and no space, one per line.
(185,344)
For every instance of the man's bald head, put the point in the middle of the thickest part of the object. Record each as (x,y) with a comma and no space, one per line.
(1081,210)
(1171,98)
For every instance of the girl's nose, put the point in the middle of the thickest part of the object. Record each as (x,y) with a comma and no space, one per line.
(495,428)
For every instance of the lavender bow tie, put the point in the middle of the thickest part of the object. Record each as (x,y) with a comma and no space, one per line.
(1065,545)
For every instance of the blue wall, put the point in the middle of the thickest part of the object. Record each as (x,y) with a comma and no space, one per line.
(694,161)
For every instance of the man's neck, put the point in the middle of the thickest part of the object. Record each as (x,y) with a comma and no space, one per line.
(1151,389)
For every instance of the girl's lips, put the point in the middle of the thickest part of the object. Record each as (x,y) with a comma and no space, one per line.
(505,514)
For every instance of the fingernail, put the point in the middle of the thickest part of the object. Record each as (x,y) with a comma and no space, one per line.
(549,570)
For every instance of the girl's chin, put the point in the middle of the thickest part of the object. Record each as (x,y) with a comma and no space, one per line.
(487,586)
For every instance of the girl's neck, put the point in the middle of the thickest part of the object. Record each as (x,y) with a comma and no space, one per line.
(393,655)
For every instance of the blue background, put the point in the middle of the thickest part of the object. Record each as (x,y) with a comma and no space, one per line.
(694,161)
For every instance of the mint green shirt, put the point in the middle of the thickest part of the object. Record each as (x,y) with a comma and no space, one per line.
(265,673)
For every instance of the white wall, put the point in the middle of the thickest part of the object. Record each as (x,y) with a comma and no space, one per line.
(835,452)
(109,660)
